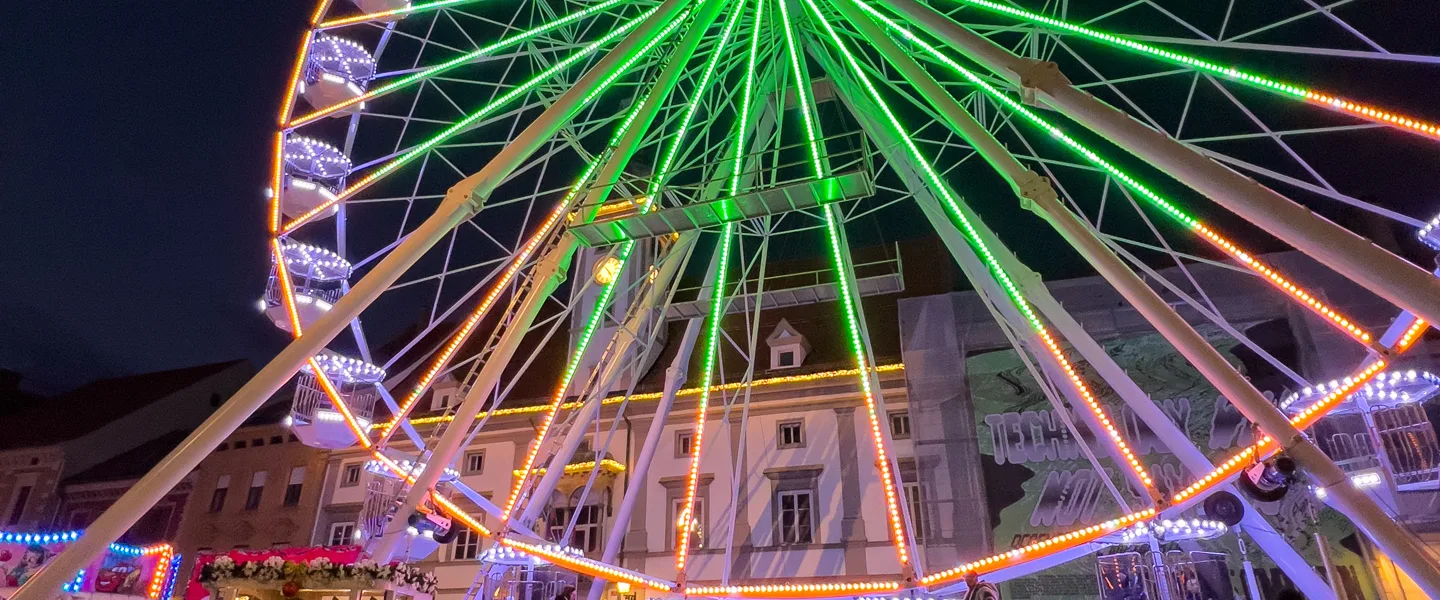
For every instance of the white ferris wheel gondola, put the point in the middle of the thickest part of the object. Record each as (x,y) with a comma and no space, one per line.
(311,169)
(338,71)
(314,417)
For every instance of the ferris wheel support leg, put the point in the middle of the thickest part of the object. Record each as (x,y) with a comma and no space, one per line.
(625,336)
(1351,255)
(1034,290)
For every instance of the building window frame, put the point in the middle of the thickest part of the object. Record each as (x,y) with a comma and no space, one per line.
(794,482)
(899,421)
(466,545)
(474,462)
(294,487)
(588,532)
(801,510)
(256,493)
(697,531)
(350,475)
(790,433)
(684,443)
(345,531)
(217,497)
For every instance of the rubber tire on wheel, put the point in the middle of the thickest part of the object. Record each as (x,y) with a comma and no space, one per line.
(449,535)
(1225,507)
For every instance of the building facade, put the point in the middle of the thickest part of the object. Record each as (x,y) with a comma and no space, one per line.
(260,488)
(103,432)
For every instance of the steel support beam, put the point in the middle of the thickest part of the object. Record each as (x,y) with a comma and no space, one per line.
(609,368)
(1039,296)
(462,202)
(1351,255)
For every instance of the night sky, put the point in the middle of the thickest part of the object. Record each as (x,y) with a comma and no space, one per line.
(134,160)
(135,152)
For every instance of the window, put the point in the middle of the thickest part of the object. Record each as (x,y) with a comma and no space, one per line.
(440,400)
(277,439)
(17,507)
(239,444)
(900,425)
(697,522)
(790,434)
(915,505)
(586,536)
(292,438)
(786,359)
(474,462)
(466,545)
(684,443)
(217,498)
(293,487)
(350,476)
(794,518)
(257,442)
(257,489)
(222,447)
(342,533)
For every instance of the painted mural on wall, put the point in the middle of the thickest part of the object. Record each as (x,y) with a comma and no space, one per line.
(124,570)
(1038,483)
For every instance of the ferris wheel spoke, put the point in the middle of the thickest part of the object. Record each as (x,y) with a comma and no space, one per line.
(463,124)
(1326,100)
(388,14)
(462,59)
(1297,293)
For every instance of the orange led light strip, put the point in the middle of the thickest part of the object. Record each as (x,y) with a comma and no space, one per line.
(287,294)
(277,180)
(1279,281)
(795,590)
(162,571)
(1093,404)
(1301,420)
(587,566)
(406,10)
(448,352)
(1410,335)
(288,103)
(1039,549)
(319,11)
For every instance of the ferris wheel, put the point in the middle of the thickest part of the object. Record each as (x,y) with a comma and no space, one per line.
(492,169)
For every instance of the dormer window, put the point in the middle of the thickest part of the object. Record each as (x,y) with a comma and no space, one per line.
(445,394)
(788,347)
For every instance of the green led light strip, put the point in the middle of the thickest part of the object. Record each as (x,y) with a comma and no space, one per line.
(700,88)
(999,273)
(484,111)
(848,301)
(746,97)
(1230,73)
(457,61)
(712,347)
(801,95)
(1168,208)
(717,302)
(405,11)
